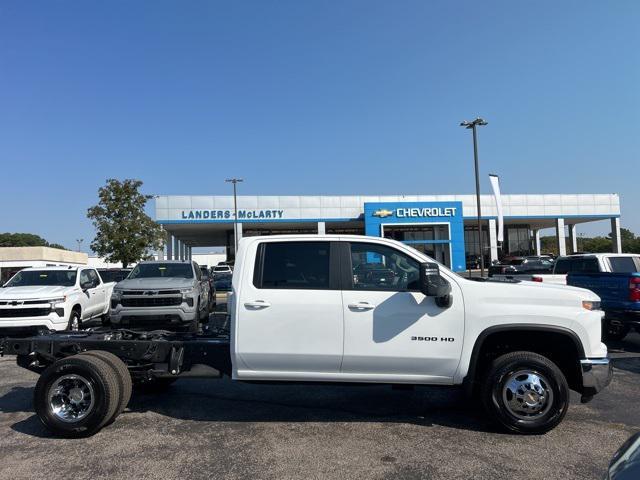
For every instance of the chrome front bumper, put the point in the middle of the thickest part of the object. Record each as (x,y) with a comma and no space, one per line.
(596,375)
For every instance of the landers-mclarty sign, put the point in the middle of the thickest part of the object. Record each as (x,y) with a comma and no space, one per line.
(228,214)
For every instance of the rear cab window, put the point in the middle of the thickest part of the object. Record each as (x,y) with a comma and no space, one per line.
(624,264)
(576,265)
(293,265)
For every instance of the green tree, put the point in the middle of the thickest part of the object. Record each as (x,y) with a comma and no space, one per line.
(25,240)
(124,232)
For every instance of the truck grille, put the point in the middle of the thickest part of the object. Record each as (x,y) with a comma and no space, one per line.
(23,312)
(151,302)
(150,292)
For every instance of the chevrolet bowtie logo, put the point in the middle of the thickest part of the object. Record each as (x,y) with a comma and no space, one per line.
(382,213)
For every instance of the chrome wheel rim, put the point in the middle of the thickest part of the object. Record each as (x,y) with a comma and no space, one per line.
(71,398)
(75,323)
(527,394)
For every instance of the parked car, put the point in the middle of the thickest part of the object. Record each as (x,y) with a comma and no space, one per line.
(590,263)
(620,299)
(625,463)
(298,315)
(160,293)
(206,276)
(54,298)
(521,267)
(221,269)
(222,282)
(113,274)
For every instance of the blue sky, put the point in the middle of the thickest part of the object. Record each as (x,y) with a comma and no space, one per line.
(313,97)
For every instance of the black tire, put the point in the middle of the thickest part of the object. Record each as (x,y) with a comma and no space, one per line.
(75,321)
(101,385)
(518,371)
(125,383)
(614,332)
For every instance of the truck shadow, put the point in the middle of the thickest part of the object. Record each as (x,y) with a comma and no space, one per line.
(227,401)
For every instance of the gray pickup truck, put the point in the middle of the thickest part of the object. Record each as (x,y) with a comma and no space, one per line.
(161,293)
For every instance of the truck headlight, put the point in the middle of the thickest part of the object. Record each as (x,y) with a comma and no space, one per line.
(591,304)
(187,296)
(54,301)
(57,301)
(116,295)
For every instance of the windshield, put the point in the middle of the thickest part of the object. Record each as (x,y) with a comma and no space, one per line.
(28,278)
(155,270)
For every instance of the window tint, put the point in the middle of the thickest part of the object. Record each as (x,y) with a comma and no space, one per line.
(378,267)
(84,277)
(162,270)
(562,266)
(584,265)
(65,278)
(93,276)
(623,265)
(295,265)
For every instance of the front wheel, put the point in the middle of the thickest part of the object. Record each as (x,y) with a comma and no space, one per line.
(75,322)
(525,393)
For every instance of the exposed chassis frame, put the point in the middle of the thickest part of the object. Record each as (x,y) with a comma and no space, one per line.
(148,355)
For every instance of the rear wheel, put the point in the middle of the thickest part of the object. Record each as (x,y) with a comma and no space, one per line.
(77,396)
(525,392)
(125,383)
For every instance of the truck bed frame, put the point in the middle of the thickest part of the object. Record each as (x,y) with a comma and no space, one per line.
(147,354)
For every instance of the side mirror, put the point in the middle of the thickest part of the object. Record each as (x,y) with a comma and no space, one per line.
(432,284)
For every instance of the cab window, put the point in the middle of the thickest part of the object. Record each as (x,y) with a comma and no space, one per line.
(293,265)
(378,267)
(623,264)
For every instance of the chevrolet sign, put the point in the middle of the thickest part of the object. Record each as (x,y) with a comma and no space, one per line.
(408,212)
(382,213)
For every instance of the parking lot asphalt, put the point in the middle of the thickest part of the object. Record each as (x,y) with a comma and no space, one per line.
(221,429)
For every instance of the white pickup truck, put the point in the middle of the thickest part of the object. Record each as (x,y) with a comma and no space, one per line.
(333,308)
(53,298)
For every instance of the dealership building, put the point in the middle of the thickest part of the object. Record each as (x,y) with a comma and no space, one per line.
(442,226)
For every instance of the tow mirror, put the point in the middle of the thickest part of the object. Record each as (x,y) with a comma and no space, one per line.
(432,284)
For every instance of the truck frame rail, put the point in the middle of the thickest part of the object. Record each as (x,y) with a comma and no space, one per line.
(147,354)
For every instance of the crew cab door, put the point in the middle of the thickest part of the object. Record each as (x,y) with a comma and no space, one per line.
(392,331)
(289,312)
(92,292)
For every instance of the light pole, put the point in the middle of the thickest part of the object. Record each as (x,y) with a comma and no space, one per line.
(472,125)
(235,181)
(80,240)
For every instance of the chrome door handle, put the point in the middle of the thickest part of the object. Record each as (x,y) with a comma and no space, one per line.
(362,306)
(257,304)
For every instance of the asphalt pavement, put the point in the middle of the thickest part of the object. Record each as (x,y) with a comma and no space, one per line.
(221,429)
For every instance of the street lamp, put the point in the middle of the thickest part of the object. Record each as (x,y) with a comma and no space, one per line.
(472,126)
(235,181)
(80,240)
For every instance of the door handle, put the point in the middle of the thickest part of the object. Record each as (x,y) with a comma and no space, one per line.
(257,304)
(362,306)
